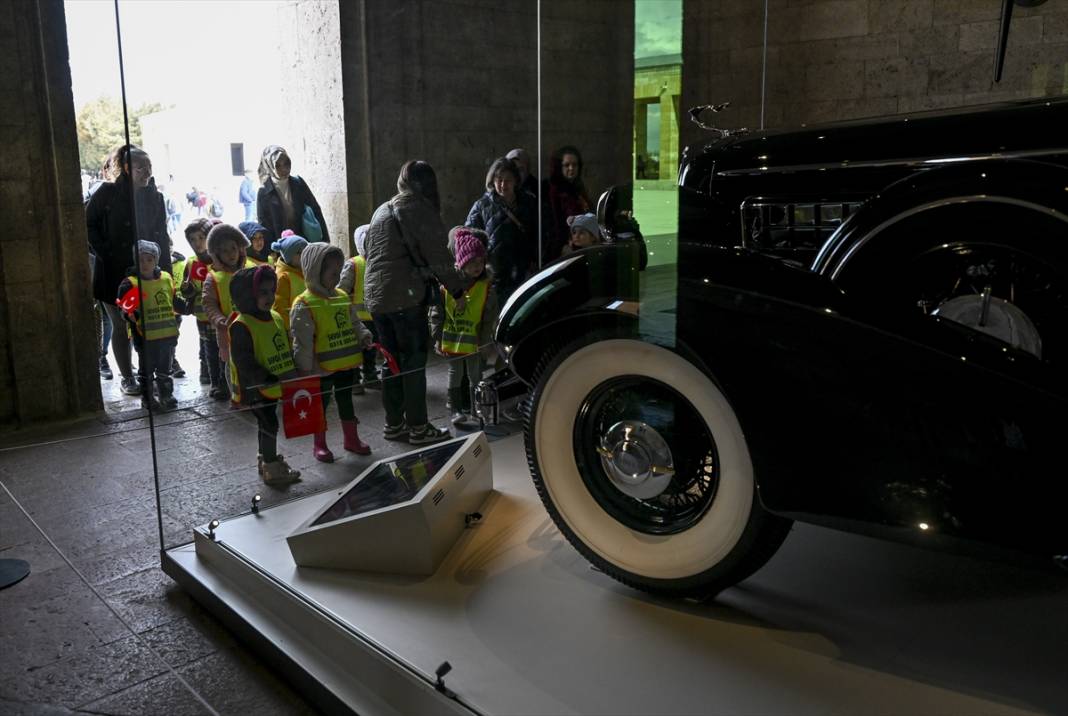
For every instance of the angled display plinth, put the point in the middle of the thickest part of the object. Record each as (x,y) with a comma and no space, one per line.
(402,514)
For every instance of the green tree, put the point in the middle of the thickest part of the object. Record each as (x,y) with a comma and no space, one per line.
(100,129)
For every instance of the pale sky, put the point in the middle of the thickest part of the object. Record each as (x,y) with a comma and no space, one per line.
(657,27)
(175,51)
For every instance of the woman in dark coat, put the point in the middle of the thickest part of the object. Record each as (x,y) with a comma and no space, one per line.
(110,219)
(566,195)
(510,217)
(281,200)
(407,257)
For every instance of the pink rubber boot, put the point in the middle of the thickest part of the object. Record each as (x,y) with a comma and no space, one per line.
(352,438)
(321,451)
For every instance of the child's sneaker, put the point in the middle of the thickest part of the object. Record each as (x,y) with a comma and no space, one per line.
(458,418)
(395,432)
(176,370)
(278,472)
(427,434)
(105,369)
(130,385)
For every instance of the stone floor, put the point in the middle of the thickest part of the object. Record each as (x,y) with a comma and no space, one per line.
(97,627)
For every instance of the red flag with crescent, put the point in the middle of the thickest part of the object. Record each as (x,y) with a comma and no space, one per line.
(302,407)
(129,301)
(198,271)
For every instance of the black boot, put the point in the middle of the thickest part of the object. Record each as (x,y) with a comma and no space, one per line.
(147,395)
(166,393)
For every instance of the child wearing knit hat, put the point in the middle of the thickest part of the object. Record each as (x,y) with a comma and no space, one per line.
(464,335)
(585,232)
(290,275)
(147,300)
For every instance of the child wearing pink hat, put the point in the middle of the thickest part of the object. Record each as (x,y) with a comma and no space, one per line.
(465,336)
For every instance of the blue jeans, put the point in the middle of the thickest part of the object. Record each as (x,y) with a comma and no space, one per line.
(406,335)
(250,211)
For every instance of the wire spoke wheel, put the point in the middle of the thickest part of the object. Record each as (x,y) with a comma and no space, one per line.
(645,455)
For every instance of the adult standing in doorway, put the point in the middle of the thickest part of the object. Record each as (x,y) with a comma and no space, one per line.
(566,195)
(407,256)
(129,197)
(283,198)
(246,195)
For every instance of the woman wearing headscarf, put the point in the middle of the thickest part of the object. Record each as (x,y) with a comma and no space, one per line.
(407,257)
(129,197)
(566,195)
(281,201)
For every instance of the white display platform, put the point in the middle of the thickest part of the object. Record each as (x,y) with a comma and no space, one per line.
(835,623)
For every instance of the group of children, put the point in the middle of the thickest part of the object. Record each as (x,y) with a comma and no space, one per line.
(266,314)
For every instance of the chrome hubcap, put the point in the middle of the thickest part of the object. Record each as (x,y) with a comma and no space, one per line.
(636,459)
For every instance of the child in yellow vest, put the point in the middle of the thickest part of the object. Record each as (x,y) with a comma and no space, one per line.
(464,335)
(259,253)
(152,325)
(178,262)
(328,340)
(290,275)
(191,285)
(226,245)
(352,283)
(259,359)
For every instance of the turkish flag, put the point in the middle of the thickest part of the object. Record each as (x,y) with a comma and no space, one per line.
(129,301)
(302,407)
(391,362)
(198,271)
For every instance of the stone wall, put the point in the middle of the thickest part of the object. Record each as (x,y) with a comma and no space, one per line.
(48,348)
(454,82)
(311,106)
(842,59)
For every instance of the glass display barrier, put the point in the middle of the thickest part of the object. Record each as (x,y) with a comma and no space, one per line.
(664,254)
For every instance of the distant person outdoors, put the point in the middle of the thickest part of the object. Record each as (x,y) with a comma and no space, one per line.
(407,257)
(566,195)
(246,195)
(283,198)
(509,216)
(129,197)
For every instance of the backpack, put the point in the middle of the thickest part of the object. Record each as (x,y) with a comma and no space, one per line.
(216,209)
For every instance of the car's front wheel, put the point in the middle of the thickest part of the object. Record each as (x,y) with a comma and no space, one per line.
(642,464)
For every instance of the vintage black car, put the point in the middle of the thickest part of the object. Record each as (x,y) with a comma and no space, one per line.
(868,332)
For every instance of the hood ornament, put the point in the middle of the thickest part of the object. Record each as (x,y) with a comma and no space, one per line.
(695,117)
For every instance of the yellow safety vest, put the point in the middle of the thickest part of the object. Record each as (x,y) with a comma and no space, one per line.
(336,346)
(255,262)
(198,287)
(222,291)
(157,302)
(286,291)
(459,335)
(357,288)
(272,351)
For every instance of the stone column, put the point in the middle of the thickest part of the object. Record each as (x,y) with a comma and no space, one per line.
(48,349)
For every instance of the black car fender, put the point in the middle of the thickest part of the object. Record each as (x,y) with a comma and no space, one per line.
(592,290)
(1021,183)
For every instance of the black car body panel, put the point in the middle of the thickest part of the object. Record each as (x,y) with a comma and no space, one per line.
(863,408)
(814,178)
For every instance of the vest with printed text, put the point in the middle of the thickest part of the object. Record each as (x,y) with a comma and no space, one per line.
(336,345)
(271,347)
(158,302)
(459,335)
